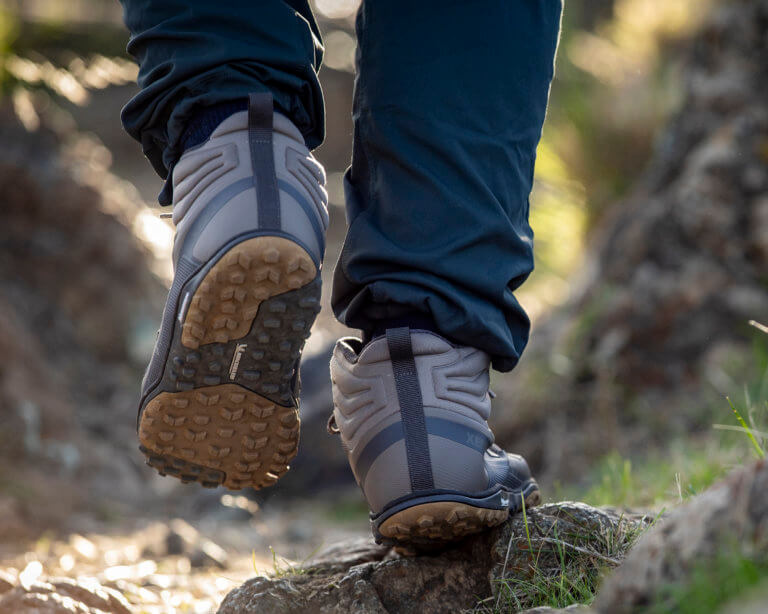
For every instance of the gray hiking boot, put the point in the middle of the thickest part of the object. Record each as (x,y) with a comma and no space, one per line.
(411,409)
(219,398)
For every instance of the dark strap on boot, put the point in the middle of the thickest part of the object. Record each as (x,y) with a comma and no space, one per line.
(411,408)
(260,110)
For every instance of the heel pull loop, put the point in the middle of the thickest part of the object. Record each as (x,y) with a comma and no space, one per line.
(260,114)
(411,408)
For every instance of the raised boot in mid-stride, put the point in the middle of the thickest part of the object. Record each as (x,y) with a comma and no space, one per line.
(412,411)
(219,398)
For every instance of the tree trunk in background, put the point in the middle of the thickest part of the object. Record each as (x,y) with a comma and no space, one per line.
(658,328)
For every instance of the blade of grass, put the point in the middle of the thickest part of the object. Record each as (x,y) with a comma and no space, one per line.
(759,450)
(739,429)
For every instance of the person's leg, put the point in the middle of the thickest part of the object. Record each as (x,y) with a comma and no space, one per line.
(449,104)
(228,106)
(196,54)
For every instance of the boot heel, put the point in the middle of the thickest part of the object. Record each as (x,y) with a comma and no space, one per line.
(440,521)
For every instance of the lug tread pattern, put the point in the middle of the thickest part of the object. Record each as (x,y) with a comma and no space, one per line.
(225,304)
(429,526)
(226,411)
(220,435)
(267,364)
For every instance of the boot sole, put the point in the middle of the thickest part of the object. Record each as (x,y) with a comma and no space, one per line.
(225,412)
(426,526)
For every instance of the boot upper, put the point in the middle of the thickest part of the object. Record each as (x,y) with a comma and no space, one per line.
(453,383)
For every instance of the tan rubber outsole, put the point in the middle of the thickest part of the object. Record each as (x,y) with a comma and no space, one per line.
(226,429)
(227,301)
(227,434)
(444,521)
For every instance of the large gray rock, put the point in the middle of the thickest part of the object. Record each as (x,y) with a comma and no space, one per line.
(728,520)
(365,578)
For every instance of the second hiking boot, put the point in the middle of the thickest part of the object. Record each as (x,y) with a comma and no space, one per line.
(219,398)
(412,411)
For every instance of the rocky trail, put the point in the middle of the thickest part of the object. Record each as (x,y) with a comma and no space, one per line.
(86,528)
(164,567)
(632,559)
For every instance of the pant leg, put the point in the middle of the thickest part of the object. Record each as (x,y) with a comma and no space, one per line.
(199,53)
(449,104)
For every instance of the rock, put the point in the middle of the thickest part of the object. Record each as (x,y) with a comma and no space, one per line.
(8,580)
(183,539)
(62,596)
(208,554)
(359,576)
(731,518)
(338,557)
(174,543)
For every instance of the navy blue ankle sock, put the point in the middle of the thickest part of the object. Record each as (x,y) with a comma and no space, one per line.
(412,319)
(206,119)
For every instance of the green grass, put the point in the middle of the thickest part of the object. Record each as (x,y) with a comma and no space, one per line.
(759,446)
(282,567)
(569,584)
(689,465)
(752,414)
(652,482)
(565,569)
(658,480)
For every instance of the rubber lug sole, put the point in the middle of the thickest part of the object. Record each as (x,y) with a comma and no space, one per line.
(220,435)
(430,526)
(226,410)
(227,300)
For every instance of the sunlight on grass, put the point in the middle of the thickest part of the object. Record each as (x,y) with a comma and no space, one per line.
(687,470)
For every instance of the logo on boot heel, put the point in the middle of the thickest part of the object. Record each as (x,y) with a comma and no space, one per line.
(236,359)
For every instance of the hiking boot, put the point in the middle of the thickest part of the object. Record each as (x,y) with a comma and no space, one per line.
(412,411)
(219,398)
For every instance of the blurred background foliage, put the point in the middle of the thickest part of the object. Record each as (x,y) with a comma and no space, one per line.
(619,78)
(611,392)
(614,87)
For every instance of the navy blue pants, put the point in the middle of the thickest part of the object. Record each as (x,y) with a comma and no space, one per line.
(450,99)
